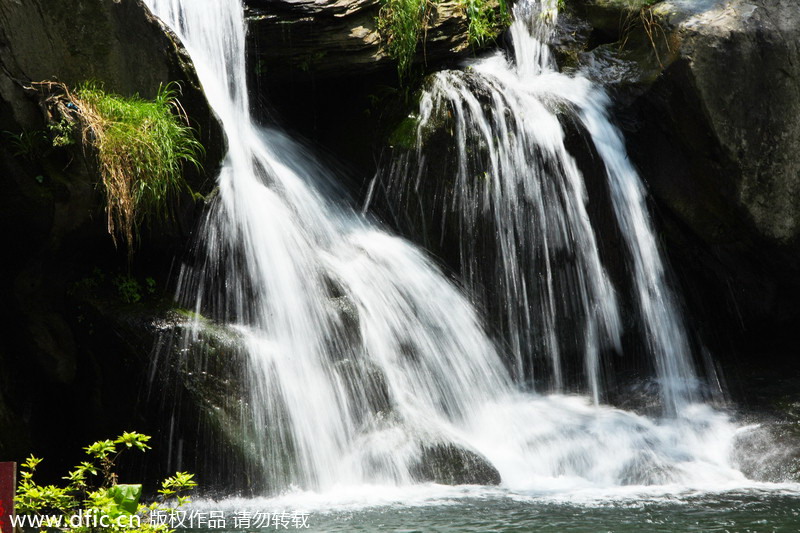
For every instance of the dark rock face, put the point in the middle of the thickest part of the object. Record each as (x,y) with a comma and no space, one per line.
(51,209)
(740,61)
(449,464)
(708,101)
(146,375)
(319,69)
(339,38)
(118,43)
(722,82)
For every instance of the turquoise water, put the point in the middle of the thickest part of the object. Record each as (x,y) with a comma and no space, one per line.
(766,508)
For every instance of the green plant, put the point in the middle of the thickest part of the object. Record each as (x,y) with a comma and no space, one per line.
(63,132)
(92,495)
(403,24)
(89,284)
(486,20)
(28,144)
(128,289)
(131,291)
(141,148)
(400,23)
(310,61)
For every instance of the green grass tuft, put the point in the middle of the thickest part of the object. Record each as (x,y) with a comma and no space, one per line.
(142,146)
(486,20)
(403,24)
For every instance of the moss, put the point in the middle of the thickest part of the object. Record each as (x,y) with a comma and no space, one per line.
(191,315)
(405,134)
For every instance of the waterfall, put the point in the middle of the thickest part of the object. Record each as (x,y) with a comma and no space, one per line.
(519,201)
(280,262)
(360,353)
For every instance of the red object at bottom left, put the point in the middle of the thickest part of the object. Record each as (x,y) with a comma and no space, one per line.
(8,482)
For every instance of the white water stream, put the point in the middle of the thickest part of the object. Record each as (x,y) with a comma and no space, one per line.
(361,353)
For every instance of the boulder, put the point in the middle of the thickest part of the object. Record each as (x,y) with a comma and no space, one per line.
(188,395)
(721,78)
(742,61)
(707,94)
(450,464)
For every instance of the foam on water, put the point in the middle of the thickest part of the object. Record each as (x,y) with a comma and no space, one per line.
(349,498)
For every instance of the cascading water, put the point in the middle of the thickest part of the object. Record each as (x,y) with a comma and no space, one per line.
(289,258)
(361,354)
(514,174)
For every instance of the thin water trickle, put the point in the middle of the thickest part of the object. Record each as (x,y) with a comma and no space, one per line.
(359,352)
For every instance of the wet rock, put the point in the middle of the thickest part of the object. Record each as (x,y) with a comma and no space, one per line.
(177,376)
(367,387)
(346,328)
(449,464)
(707,95)
(646,469)
(769,452)
(722,76)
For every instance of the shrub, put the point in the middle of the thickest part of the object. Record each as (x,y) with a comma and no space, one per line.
(92,489)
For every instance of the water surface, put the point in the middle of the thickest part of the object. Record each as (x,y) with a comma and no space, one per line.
(759,508)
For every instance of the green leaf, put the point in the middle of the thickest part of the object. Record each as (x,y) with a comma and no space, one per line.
(31,463)
(101,449)
(126,497)
(131,439)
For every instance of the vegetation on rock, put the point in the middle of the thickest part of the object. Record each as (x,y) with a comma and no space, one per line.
(486,20)
(141,148)
(403,24)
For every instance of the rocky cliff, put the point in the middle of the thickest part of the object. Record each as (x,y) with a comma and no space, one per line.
(707,94)
(52,211)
